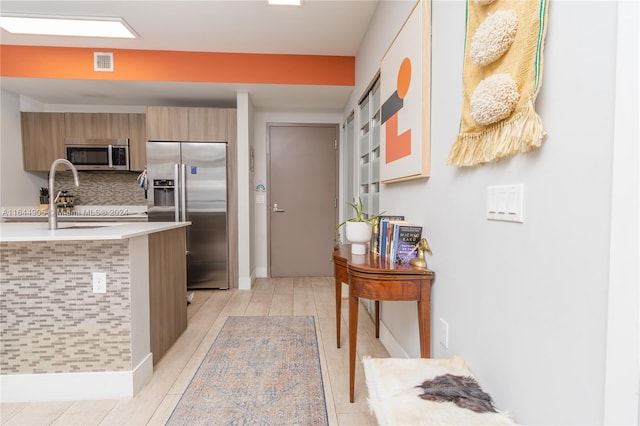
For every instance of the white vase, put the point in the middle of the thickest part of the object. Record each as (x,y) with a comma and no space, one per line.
(359,235)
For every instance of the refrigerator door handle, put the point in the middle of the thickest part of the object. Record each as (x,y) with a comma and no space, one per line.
(183,192)
(176,204)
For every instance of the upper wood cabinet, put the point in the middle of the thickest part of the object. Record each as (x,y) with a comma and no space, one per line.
(167,124)
(137,142)
(42,139)
(43,135)
(188,124)
(208,124)
(96,125)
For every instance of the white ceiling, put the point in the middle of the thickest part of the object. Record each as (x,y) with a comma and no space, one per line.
(319,27)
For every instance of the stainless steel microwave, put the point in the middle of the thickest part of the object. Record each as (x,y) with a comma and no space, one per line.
(98,154)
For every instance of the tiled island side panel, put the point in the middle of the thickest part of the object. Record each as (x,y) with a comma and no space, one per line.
(50,319)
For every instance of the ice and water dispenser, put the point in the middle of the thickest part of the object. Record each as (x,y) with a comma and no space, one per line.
(163,193)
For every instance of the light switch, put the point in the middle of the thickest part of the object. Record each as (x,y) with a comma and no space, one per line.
(512,206)
(502,201)
(506,203)
(492,201)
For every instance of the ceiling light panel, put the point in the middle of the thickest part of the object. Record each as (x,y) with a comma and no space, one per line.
(78,26)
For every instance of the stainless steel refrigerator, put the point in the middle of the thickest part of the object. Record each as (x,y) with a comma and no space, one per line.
(187,181)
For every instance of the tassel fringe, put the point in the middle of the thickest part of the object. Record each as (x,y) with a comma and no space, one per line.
(518,134)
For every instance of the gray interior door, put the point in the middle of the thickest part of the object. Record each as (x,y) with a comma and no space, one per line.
(302,211)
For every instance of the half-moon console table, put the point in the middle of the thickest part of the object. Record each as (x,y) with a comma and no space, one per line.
(374,277)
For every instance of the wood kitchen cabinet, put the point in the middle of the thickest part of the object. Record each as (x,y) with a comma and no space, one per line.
(167,124)
(188,124)
(137,142)
(42,139)
(167,289)
(112,126)
(43,135)
(96,125)
(208,124)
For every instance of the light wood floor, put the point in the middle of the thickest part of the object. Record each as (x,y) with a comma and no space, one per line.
(207,313)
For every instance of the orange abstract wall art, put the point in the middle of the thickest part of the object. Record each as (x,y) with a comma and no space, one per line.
(398,145)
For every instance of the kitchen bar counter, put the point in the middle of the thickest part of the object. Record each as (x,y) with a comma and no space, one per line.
(67,333)
(82,231)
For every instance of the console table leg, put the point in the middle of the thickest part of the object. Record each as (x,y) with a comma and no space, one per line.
(338,309)
(377,319)
(353,329)
(424,327)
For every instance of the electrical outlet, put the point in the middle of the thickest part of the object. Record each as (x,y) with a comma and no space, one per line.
(99,282)
(444,333)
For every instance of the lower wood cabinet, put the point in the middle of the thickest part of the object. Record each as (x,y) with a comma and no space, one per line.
(167,289)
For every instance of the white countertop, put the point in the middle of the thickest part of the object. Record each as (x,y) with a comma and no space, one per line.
(78,231)
(108,212)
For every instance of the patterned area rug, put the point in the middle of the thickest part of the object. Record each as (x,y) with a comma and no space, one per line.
(259,371)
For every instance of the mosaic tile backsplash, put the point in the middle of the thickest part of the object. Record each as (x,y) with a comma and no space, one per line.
(102,188)
(51,321)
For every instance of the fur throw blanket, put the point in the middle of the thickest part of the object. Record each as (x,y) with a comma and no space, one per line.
(427,391)
(463,391)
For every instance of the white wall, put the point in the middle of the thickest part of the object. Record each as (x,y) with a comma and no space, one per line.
(623,331)
(18,187)
(526,303)
(262,118)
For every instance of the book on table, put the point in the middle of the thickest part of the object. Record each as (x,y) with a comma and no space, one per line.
(407,237)
(376,238)
(386,236)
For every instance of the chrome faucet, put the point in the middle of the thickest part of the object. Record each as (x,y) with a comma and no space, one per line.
(53,210)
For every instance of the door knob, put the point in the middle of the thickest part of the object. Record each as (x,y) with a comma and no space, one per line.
(276,209)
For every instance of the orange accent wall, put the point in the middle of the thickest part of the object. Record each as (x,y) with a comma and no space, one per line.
(163,65)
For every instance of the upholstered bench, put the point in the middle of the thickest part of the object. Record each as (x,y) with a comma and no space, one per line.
(394,386)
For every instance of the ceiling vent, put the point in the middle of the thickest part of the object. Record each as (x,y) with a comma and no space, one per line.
(103,61)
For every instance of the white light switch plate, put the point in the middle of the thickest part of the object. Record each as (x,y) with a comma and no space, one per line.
(506,203)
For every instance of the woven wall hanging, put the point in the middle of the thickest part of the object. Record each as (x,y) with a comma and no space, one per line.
(502,77)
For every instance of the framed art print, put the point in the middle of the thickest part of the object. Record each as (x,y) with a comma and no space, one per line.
(405,94)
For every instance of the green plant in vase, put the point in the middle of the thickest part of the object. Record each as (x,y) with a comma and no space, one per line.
(358,229)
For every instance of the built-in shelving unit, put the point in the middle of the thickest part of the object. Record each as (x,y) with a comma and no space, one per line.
(369,150)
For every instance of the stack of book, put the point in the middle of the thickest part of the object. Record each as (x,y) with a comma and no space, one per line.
(395,238)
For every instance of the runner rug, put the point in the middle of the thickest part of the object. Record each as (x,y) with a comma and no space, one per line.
(259,371)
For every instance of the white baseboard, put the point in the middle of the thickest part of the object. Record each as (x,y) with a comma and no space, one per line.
(261,272)
(390,343)
(245,283)
(76,386)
